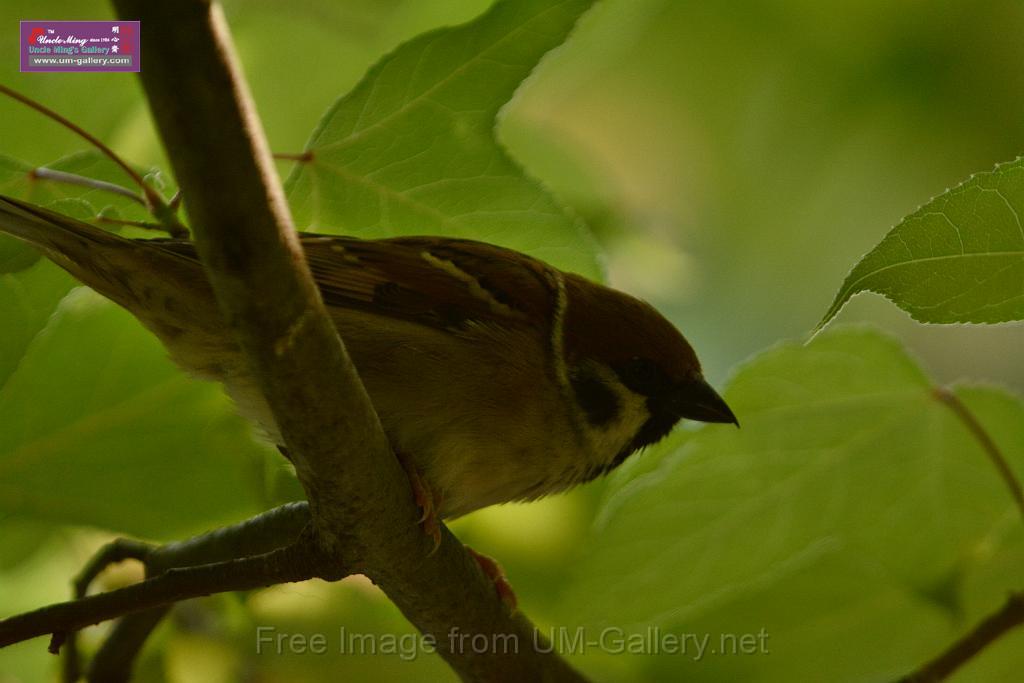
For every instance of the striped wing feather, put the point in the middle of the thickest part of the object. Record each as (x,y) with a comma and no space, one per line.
(439,282)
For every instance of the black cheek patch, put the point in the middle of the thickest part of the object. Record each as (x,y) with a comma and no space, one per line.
(655,429)
(598,401)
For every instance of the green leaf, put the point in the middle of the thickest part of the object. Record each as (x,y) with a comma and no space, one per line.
(15,255)
(21,540)
(412,150)
(957,259)
(847,473)
(14,175)
(100,429)
(27,300)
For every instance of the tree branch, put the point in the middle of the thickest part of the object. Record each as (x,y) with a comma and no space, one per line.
(363,511)
(115,660)
(118,550)
(273,529)
(291,563)
(263,533)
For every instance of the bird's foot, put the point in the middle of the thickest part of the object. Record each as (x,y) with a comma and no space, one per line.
(428,500)
(493,571)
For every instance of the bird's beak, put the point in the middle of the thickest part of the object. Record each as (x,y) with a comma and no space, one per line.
(696,400)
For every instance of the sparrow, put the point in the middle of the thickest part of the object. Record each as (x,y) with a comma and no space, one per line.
(496,376)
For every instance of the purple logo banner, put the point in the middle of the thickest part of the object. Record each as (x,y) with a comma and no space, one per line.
(80,46)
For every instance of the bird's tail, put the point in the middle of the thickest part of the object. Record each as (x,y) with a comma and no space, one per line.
(51,232)
(87,252)
(160,281)
(128,272)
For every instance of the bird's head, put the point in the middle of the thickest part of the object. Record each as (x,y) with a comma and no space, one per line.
(621,351)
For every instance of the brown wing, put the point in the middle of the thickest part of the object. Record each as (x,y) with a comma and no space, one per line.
(438,282)
(443,283)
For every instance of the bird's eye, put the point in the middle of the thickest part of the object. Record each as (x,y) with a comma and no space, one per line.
(643,376)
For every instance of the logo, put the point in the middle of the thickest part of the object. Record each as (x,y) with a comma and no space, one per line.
(67,46)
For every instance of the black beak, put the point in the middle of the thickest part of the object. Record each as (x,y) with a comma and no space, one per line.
(696,400)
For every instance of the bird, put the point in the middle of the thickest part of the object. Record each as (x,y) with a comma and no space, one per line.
(496,376)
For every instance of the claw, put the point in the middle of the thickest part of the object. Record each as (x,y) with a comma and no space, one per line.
(432,525)
(492,570)
(427,500)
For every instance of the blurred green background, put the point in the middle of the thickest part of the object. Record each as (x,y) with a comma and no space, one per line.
(733,160)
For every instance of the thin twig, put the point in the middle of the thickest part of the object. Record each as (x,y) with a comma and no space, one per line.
(114,661)
(951,400)
(263,533)
(82,181)
(274,540)
(1010,616)
(1012,613)
(116,551)
(78,130)
(295,562)
(153,200)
